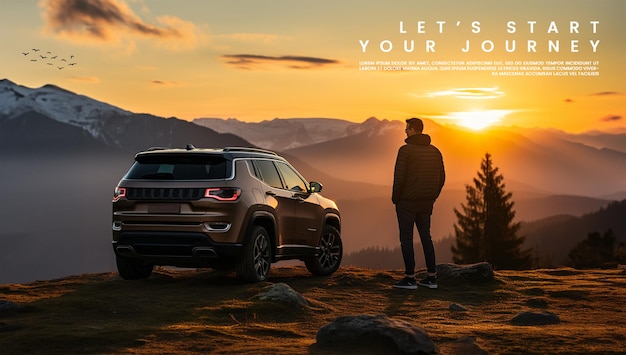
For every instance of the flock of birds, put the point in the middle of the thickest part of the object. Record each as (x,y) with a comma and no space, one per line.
(49,58)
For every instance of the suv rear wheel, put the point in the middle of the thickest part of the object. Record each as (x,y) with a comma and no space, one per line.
(254,265)
(132,269)
(331,251)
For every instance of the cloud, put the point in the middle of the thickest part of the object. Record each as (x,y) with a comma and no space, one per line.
(164,83)
(469,93)
(607,93)
(248,61)
(112,21)
(611,118)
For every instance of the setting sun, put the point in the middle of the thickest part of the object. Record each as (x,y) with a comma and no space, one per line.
(478,120)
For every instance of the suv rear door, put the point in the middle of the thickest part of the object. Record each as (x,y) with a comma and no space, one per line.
(308,211)
(286,203)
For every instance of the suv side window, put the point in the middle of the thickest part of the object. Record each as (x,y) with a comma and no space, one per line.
(293,181)
(269,174)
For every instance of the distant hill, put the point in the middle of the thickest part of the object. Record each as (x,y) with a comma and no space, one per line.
(600,140)
(35,133)
(556,236)
(530,209)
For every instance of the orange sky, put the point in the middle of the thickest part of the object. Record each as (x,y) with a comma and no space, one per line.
(259,60)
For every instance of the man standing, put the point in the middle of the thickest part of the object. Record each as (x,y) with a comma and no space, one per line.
(418,178)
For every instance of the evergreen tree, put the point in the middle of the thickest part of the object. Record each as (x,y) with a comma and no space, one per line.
(485,230)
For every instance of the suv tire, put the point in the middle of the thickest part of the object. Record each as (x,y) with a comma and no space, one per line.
(254,265)
(331,251)
(132,269)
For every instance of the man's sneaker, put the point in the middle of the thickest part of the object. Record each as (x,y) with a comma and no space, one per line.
(429,281)
(406,283)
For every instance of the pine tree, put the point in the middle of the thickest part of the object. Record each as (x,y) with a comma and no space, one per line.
(485,230)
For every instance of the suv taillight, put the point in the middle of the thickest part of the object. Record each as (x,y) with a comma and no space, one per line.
(119,193)
(223,193)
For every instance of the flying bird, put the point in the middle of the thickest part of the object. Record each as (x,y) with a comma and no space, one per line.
(50,58)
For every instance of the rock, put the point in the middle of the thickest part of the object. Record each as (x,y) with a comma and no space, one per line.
(478,273)
(368,332)
(8,306)
(457,307)
(536,318)
(281,292)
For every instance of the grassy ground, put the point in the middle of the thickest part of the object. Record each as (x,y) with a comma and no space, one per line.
(193,312)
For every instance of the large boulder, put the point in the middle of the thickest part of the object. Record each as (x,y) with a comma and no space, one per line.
(369,332)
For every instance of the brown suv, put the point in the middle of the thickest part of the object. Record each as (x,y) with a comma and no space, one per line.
(220,208)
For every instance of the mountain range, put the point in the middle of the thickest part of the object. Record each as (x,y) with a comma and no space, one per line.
(49,119)
(62,154)
(532,160)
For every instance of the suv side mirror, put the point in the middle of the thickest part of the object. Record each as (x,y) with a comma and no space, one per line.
(315,186)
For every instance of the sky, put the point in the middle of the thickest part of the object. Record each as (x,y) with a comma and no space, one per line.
(549,63)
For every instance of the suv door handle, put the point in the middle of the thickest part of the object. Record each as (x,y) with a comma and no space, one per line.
(270,193)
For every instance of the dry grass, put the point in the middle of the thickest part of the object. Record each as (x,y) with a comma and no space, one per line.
(192,312)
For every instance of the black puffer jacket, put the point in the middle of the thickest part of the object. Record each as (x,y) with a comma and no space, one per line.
(419,174)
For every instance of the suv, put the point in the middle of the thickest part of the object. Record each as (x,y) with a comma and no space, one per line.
(221,208)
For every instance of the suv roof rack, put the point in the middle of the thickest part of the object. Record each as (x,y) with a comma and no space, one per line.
(156,148)
(247,149)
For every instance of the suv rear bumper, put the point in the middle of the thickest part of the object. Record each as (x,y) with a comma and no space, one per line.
(183,249)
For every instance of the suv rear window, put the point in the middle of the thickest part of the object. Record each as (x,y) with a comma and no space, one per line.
(179,167)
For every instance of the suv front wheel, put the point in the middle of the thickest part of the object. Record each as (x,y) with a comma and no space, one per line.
(254,265)
(331,251)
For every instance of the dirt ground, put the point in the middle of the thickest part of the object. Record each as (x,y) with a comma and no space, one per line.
(201,311)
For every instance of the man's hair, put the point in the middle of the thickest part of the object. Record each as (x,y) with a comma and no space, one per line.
(415,124)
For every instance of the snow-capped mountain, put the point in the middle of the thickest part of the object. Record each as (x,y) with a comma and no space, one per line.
(57,103)
(51,119)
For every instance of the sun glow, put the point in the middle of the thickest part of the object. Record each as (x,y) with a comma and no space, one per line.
(478,120)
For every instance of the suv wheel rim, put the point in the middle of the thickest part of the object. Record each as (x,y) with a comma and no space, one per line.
(261,256)
(330,249)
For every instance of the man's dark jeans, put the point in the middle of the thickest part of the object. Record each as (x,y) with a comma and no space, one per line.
(406,219)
